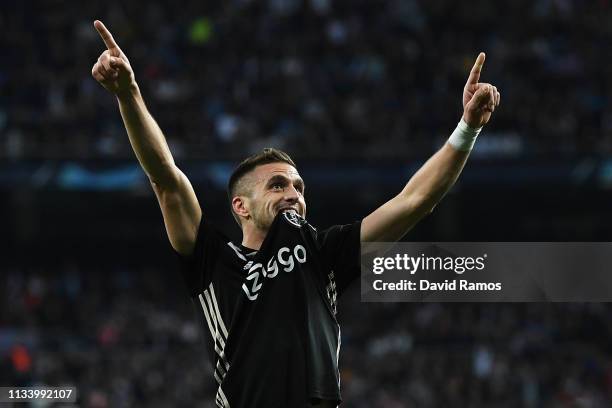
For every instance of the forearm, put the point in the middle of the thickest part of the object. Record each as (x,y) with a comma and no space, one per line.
(433,180)
(425,189)
(146,138)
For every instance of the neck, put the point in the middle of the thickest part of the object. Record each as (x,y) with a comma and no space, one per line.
(253,237)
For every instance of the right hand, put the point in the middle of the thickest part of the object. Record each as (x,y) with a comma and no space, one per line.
(112,70)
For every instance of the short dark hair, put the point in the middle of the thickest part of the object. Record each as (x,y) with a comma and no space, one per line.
(266,156)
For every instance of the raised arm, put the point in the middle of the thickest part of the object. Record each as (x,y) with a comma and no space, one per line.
(430,183)
(174,192)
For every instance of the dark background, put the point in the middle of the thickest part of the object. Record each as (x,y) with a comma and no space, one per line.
(360,93)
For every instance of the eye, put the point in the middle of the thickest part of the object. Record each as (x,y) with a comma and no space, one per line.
(277,186)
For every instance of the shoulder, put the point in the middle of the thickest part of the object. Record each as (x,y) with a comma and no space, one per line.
(340,230)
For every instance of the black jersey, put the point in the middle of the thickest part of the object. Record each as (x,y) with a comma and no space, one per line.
(271,314)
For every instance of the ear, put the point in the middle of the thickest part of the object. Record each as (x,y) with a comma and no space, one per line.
(240,207)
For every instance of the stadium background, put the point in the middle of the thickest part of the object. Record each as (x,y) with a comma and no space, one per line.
(360,93)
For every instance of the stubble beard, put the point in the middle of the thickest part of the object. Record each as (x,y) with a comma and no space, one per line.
(263,220)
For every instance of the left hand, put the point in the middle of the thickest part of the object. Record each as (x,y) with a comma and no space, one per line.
(479,99)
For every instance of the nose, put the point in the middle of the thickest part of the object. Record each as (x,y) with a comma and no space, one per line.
(292,194)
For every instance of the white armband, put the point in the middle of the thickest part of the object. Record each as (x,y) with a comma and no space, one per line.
(464,136)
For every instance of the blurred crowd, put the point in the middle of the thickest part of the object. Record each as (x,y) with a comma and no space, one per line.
(320,78)
(129,337)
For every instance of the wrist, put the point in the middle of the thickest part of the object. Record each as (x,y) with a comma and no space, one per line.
(464,136)
(128,94)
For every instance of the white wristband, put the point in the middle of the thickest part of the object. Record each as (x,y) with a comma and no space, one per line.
(464,136)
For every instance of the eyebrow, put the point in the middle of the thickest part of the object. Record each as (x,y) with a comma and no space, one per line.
(278,178)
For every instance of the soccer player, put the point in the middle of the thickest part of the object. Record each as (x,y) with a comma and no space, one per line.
(269,302)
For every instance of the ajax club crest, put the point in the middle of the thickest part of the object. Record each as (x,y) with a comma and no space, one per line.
(294,218)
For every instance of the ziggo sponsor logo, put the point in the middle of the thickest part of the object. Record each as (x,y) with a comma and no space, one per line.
(285,256)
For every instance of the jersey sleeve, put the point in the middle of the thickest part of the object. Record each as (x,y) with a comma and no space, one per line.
(198,268)
(340,247)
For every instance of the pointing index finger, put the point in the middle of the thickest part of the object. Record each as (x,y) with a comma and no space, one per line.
(107,37)
(475,72)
